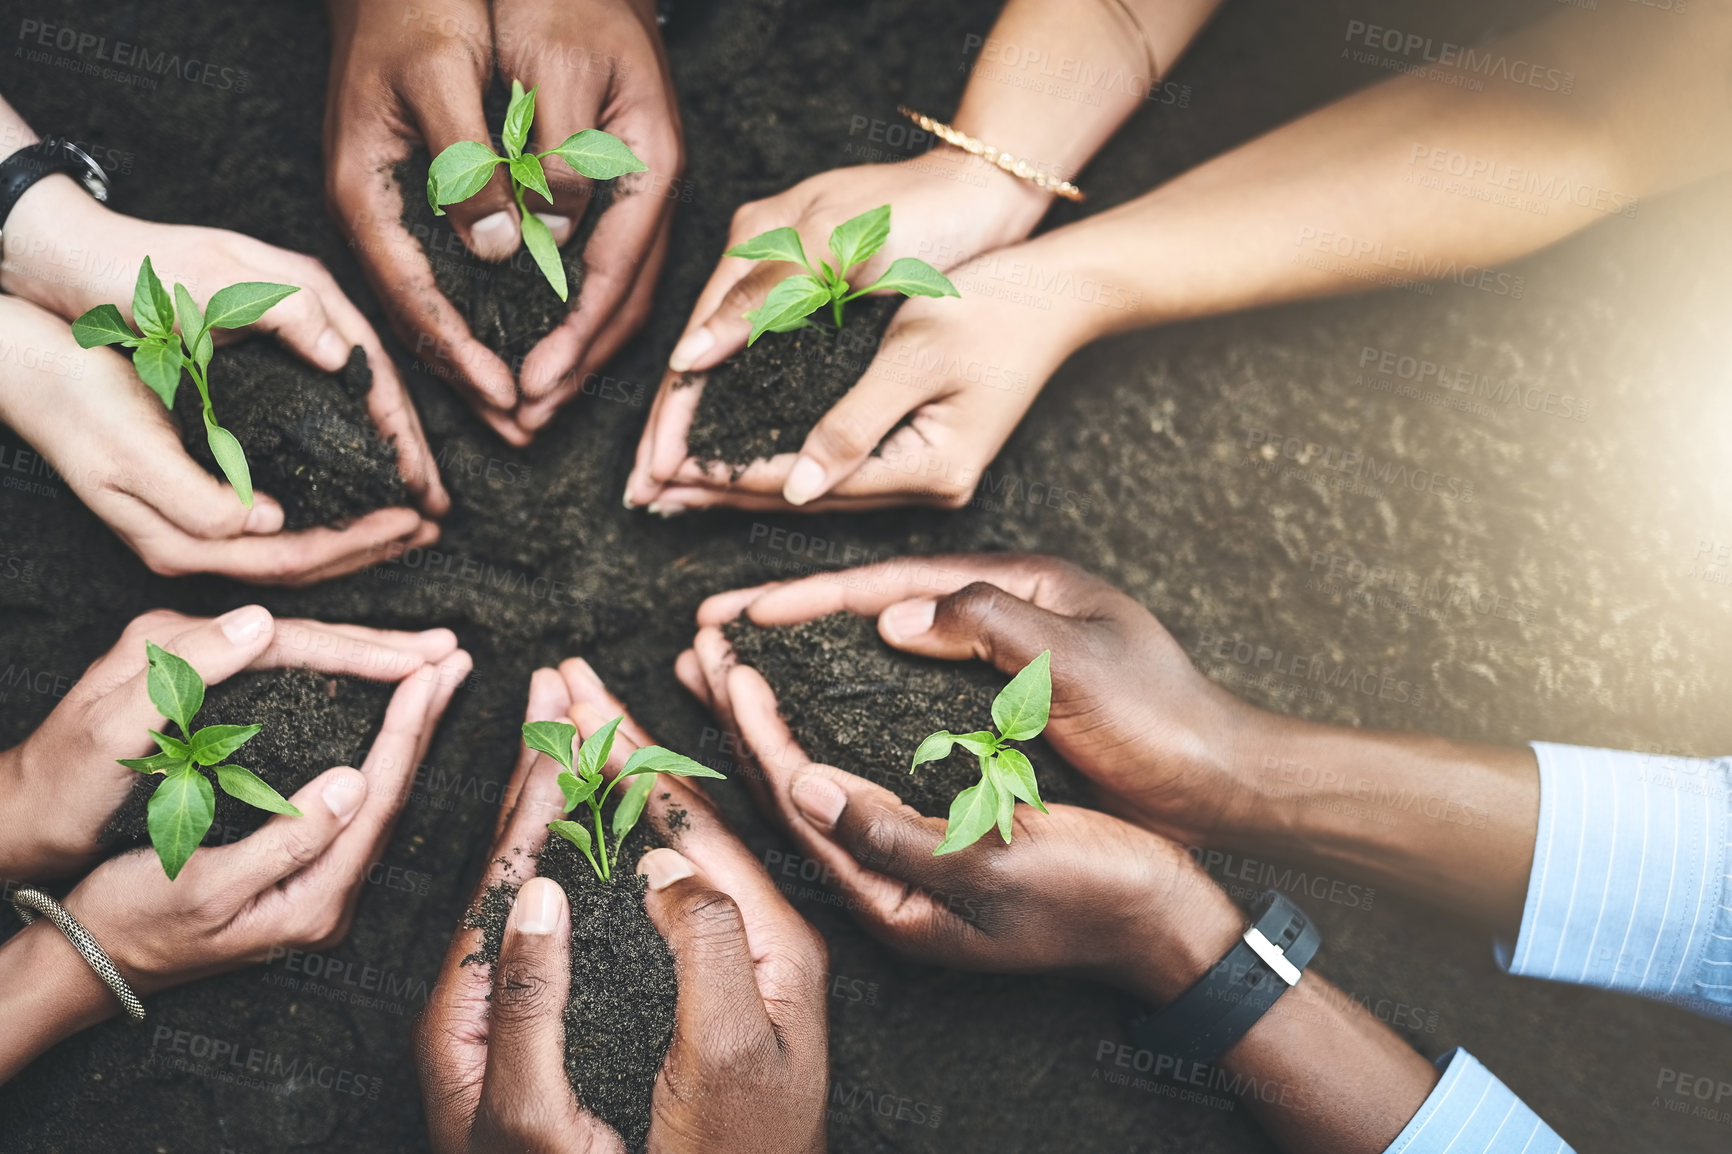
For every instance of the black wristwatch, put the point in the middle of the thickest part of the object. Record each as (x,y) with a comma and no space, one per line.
(33,162)
(1207,1020)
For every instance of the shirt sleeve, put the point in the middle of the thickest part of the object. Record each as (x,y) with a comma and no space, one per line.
(1471,1112)
(1630,888)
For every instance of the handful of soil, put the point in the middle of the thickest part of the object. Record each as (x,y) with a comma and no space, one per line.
(853,702)
(309,439)
(619,1016)
(508,306)
(765,399)
(311,721)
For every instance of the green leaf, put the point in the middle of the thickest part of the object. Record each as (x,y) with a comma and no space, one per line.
(151,307)
(577,790)
(193,332)
(933,748)
(155,763)
(793,299)
(215,742)
(1021,708)
(1006,808)
(981,742)
(102,325)
(574,833)
(518,117)
(777,244)
(553,738)
(174,686)
(596,750)
(526,170)
(243,784)
(178,816)
(545,252)
(230,458)
(158,364)
(913,277)
(173,746)
(855,240)
(459,173)
(655,759)
(240,305)
(1012,771)
(974,811)
(630,807)
(598,155)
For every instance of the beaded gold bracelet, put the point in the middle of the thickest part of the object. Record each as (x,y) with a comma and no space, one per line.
(1021,169)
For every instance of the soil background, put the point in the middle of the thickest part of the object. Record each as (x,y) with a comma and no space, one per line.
(1573,598)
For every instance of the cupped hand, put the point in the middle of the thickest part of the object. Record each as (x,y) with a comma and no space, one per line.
(1129,710)
(1075,890)
(402,77)
(59,787)
(596,64)
(294,882)
(746,1070)
(948,385)
(115,445)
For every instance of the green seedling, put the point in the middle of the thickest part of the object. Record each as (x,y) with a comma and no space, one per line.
(582,783)
(464,169)
(852,243)
(1020,712)
(183,805)
(159,354)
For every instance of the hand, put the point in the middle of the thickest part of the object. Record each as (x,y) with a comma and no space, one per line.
(59,787)
(1129,709)
(403,77)
(946,208)
(747,1067)
(950,382)
(1075,890)
(117,447)
(598,64)
(295,882)
(57,225)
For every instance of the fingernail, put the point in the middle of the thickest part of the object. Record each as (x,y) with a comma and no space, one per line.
(907,619)
(331,351)
(537,908)
(692,346)
(494,237)
(805,481)
(625,498)
(664,867)
(820,799)
(344,795)
(264,517)
(244,625)
(665,508)
(559,226)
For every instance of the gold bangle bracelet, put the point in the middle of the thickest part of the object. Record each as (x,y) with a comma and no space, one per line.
(1021,169)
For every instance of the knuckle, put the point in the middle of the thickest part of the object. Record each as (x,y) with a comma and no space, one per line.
(977,604)
(713,916)
(520,990)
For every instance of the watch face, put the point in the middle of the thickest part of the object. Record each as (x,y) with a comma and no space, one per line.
(92,177)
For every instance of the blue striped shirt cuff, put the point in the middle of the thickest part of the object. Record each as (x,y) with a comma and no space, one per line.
(1629,889)
(1471,1112)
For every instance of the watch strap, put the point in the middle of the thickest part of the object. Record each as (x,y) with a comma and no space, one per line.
(20,171)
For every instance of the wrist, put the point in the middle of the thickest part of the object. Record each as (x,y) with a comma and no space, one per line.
(51,243)
(47,993)
(1178,928)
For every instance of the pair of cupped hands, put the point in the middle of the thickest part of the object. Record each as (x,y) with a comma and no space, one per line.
(1077,890)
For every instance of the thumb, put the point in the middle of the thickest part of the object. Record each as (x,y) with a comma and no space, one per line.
(979,620)
(218,648)
(718,985)
(192,499)
(526,1030)
(487,221)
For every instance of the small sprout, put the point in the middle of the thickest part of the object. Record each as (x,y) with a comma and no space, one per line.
(1020,712)
(464,169)
(582,783)
(159,354)
(852,243)
(183,805)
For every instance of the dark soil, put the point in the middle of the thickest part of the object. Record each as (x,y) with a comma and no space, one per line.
(509,305)
(852,701)
(764,399)
(309,440)
(312,721)
(619,1016)
(1611,628)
